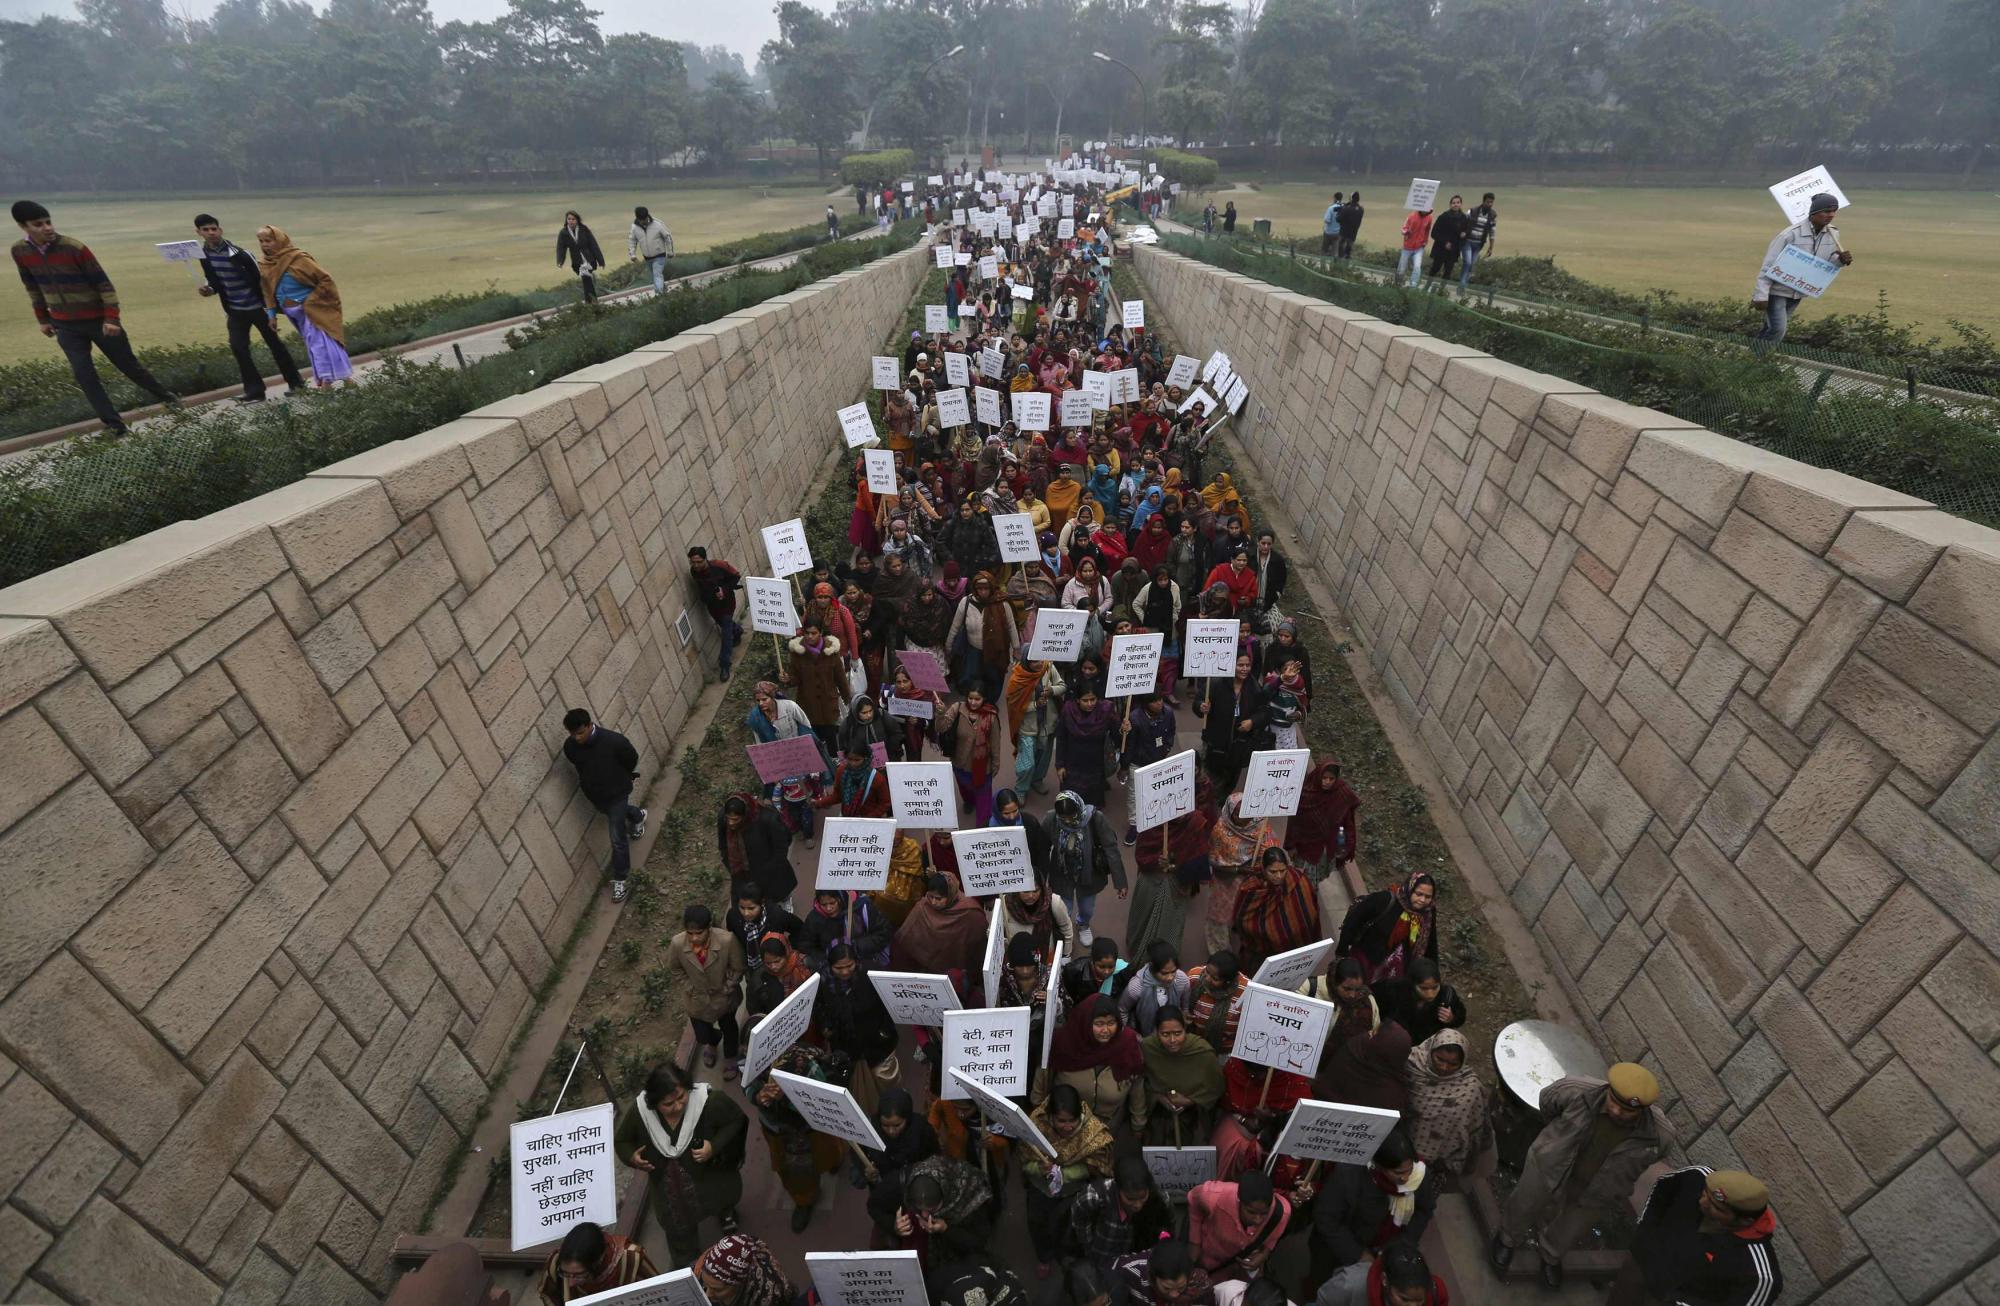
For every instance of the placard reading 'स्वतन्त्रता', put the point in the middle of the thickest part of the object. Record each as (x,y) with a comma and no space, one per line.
(1210,647)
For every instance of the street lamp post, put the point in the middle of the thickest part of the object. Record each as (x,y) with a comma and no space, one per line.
(869,117)
(1144,113)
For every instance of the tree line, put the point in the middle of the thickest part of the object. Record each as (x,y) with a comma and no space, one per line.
(276,92)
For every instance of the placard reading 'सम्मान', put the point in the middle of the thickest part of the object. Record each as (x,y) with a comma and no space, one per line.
(1163,791)
(563,1173)
(854,853)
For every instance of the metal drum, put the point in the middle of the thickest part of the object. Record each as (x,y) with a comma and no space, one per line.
(1528,1056)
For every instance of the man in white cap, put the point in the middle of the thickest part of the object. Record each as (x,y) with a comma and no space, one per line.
(1818,237)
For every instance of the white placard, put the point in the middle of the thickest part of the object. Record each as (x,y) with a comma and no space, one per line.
(989,406)
(915,998)
(989,1046)
(1210,649)
(1052,1003)
(1218,362)
(1334,1131)
(1025,231)
(1183,371)
(958,217)
(1803,272)
(923,795)
(1178,1169)
(1020,291)
(989,268)
(881,467)
(785,1025)
(1271,786)
(563,1173)
(856,426)
(1794,194)
(883,370)
(771,610)
(1075,408)
(179,251)
(1236,394)
(1125,386)
(942,253)
(992,363)
(995,955)
(1135,313)
(920,709)
(1013,1121)
(993,859)
(1164,790)
(1065,227)
(1423,194)
(786,546)
(1058,634)
(1066,205)
(1285,1031)
(1031,410)
(951,404)
(674,1288)
(1098,386)
(854,853)
(962,259)
(867,1278)
(829,1108)
(1016,533)
(1135,664)
(936,320)
(936,180)
(957,369)
(1201,396)
(1288,970)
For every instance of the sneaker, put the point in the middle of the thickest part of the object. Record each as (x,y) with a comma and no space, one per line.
(639,826)
(618,891)
(801,1217)
(1085,937)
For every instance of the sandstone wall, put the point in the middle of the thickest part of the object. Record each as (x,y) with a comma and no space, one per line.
(1722,724)
(286,839)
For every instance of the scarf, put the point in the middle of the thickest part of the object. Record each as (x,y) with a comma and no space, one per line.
(1411,923)
(1403,1196)
(1194,1071)
(1272,917)
(670,1147)
(1040,920)
(938,940)
(1077,1048)
(1238,841)
(1370,1069)
(746,1263)
(1450,1110)
(1088,725)
(855,784)
(1091,1137)
(965,1189)
(1322,814)
(1073,849)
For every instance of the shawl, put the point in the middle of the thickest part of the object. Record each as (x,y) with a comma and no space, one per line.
(793,970)
(1370,1070)
(1238,841)
(938,940)
(1039,923)
(322,307)
(981,721)
(965,1189)
(1077,1048)
(747,1264)
(1412,925)
(1321,813)
(1091,724)
(1151,545)
(856,735)
(1193,1072)
(1090,1139)
(1022,678)
(1148,506)
(1277,917)
(670,1147)
(1450,1110)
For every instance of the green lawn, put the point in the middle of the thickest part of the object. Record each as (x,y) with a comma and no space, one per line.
(390,247)
(1931,251)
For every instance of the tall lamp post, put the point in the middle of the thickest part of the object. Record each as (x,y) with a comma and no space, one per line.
(1143,107)
(870,115)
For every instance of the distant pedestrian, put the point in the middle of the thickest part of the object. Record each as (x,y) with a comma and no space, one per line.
(1229,218)
(576,244)
(1351,214)
(1416,234)
(832,224)
(649,239)
(75,303)
(1777,301)
(1482,239)
(1448,239)
(302,290)
(1329,224)
(606,765)
(716,583)
(233,277)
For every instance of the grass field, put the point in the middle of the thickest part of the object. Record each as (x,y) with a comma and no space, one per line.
(1930,250)
(388,247)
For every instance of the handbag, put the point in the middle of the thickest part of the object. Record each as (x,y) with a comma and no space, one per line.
(857,679)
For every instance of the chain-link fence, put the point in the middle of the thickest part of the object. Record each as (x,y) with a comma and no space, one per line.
(1935,435)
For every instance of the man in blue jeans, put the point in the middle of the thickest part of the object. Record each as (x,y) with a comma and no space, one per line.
(649,239)
(715,584)
(606,765)
(1481,240)
(1816,236)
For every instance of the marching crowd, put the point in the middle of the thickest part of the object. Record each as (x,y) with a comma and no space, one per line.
(1133,533)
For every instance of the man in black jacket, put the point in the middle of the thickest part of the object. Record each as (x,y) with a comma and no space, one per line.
(606,765)
(715,584)
(1448,239)
(1351,214)
(1366,1208)
(1705,1239)
(234,278)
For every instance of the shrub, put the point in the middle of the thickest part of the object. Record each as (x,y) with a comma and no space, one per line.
(877,168)
(1194,171)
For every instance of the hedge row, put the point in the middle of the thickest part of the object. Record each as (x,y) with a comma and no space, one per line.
(91,493)
(36,394)
(1194,171)
(878,168)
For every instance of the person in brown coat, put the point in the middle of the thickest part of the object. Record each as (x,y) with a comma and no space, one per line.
(821,678)
(708,962)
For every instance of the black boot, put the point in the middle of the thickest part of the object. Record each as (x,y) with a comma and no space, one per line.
(1500,1254)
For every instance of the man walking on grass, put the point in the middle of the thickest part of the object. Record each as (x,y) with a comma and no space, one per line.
(1329,224)
(75,303)
(234,278)
(606,765)
(1818,237)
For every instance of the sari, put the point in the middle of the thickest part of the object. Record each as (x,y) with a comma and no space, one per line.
(1236,846)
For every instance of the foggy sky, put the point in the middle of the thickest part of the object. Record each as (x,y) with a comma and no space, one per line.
(742,25)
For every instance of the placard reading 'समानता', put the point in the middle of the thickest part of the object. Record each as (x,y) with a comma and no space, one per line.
(936,320)
(1285,1031)
(771,610)
(1211,647)
(854,853)
(563,1173)
(993,859)
(883,370)
(867,1278)
(786,1024)
(951,407)
(989,406)
(1334,1131)
(923,795)
(1271,787)
(988,1045)
(1794,194)
(675,1288)
(915,998)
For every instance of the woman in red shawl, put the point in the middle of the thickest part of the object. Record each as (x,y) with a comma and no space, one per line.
(1150,545)
(1322,836)
(1098,1055)
(1368,1070)
(861,523)
(826,611)
(915,729)
(1251,1113)
(1276,910)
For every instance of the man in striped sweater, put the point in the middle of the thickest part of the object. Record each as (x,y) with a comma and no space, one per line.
(75,302)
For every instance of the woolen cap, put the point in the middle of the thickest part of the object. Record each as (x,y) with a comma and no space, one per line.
(1823,203)
(1633,1085)
(1742,1193)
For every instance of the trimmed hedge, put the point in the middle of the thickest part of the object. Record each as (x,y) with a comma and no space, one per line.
(877,168)
(94,492)
(1194,171)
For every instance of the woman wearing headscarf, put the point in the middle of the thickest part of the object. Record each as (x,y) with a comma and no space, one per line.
(740,1271)
(1283,645)
(1064,491)
(1083,735)
(1126,583)
(1024,678)
(1387,930)
(863,726)
(1087,585)
(1421,1001)
(1221,498)
(1236,849)
(1321,836)
(1040,915)
(849,1015)
(907,1138)
(944,934)
(1098,1055)
(799,1153)
(1083,857)
(576,245)
(876,623)
(1182,1083)
(947,1207)
(1368,1070)
(817,671)
(1447,1102)
(784,969)
(977,746)
(1103,487)
(914,730)
(300,288)
(1151,502)
(591,1261)
(1277,910)
(927,617)
(1082,1153)
(688,1138)
(832,616)
(983,637)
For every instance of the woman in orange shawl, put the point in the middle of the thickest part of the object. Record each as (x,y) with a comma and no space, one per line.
(300,288)
(1022,678)
(1062,496)
(1221,498)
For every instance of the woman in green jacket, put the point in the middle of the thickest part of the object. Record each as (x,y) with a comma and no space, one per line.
(689,1138)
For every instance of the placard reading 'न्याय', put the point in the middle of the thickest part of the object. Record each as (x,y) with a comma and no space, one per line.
(881,469)
(1164,790)
(1012,1120)
(675,1288)
(1211,647)
(563,1173)
(829,1108)
(1285,1031)
(923,795)
(785,544)
(1271,786)
(915,998)
(771,610)
(1334,1131)
(1178,1169)
(1016,533)
(988,1045)
(1287,970)
(867,1278)
(1135,664)
(1058,634)
(993,859)
(785,1025)
(854,853)
(957,371)
(780,759)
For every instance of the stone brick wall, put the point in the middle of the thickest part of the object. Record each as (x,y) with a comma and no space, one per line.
(286,838)
(1723,725)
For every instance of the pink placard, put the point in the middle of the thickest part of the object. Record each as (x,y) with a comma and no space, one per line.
(782,759)
(925,673)
(878,753)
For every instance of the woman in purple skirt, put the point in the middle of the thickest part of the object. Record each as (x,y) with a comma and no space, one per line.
(300,288)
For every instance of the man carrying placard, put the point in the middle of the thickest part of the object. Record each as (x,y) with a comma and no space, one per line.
(1816,236)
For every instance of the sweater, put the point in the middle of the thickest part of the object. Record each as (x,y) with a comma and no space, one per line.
(65,282)
(606,765)
(1684,1260)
